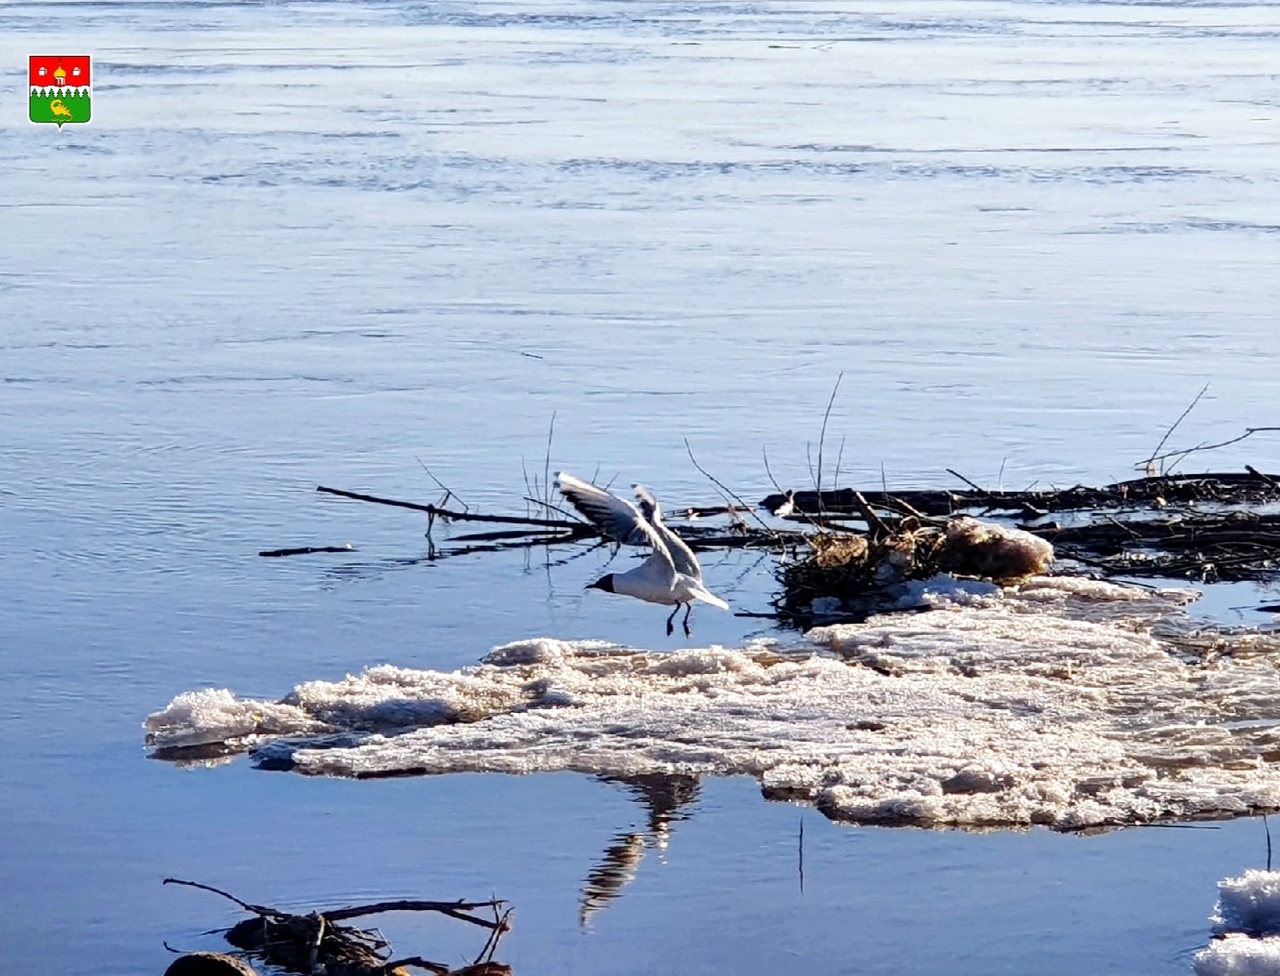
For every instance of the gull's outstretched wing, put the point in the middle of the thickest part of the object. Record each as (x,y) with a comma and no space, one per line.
(615,517)
(681,555)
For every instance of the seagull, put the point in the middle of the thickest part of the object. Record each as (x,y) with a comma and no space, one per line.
(671,574)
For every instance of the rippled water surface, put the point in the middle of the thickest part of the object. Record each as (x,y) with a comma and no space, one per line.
(318,243)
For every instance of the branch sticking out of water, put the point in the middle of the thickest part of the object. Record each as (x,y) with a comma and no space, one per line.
(822,438)
(729,492)
(1149,463)
(1248,432)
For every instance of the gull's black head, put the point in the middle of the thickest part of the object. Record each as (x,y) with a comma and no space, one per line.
(603,583)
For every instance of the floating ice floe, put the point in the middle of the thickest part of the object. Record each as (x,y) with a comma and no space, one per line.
(1246,926)
(1050,703)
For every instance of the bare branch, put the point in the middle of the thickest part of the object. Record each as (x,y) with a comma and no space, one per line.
(546,464)
(1248,432)
(822,437)
(957,474)
(721,485)
(256,909)
(1163,440)
(448,492)
(765,454)
(445,513)
(454,909)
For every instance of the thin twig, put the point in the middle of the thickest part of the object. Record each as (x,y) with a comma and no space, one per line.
(546,463)
(1248,431)
(1163,440)
(721,485)
(800,512)
(555,508)
(822,437)
(524,473)
(800,861)
(835,479)
(1267,827)
(448,492)
(764,453)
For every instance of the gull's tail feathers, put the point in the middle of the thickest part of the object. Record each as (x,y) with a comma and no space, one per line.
(700,592)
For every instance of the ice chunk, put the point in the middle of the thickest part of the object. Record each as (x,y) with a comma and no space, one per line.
(1246,923)
(1051,703)
(1249,904)
(1239,955)
(215,715)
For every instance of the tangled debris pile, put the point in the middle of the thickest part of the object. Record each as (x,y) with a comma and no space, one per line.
(1247,488)
(317,943)
(1206,527)
(846,575)
(845,553)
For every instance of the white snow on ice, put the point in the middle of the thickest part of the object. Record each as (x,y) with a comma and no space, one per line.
(1239,955)
(1249,904)
(1246,923)
(1050,703)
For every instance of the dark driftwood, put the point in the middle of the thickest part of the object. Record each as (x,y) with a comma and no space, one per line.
(306,550)
(456,516)
(1247,487)
(1205,526)
(315,942)
(540,531)
(1237,545)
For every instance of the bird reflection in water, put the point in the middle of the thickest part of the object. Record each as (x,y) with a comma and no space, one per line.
(665,798)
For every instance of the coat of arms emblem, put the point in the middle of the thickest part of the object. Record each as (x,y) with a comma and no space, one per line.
(60,88)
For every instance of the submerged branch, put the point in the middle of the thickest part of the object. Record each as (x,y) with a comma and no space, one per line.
(456,516)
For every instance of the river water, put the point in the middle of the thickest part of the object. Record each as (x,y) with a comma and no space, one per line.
(329,243)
